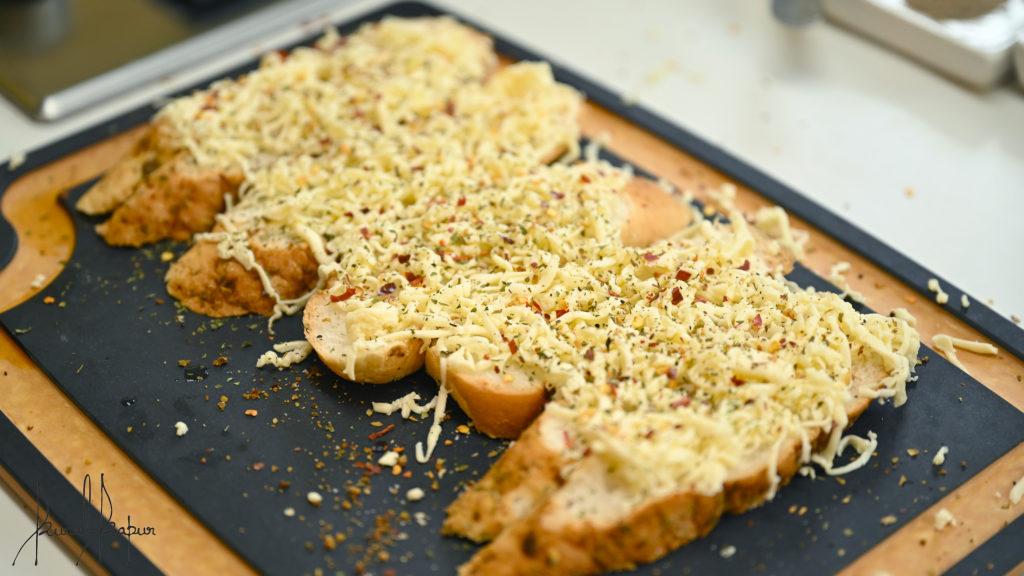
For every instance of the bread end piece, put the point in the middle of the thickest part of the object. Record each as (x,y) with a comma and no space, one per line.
(500,405)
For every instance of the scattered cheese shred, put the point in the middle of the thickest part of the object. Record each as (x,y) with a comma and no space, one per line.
(965,301)
(285,354)
(904,315)
(940,296)
(948,346)
(940,456)
(836,276)
(406,405)
(774,222)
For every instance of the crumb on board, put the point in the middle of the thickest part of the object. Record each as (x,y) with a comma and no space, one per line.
(390,458)
(180,428)
(944,518)
(965,302)
(728,551)
(289,512)
(314,498)
(940,456)
(414,494)
(888,520)
(38,281)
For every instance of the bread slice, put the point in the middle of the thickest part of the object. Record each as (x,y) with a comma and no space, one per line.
(498,406)
(208,284)
(525,474)
(114,187)
(327,331)
(589,523)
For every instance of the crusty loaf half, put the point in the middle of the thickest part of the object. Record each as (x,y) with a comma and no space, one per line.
(588,523)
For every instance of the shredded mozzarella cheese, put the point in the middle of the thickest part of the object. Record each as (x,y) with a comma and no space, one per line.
(285,354)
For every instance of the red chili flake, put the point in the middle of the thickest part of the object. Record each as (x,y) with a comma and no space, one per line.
(461,201)
(343,296)
(536,307)
(746,265)
(512,348)
(699,298)
(737,381)
(283,54)
(710,271)
(449,108)
(681,403)
(683,275)
(677,296)
(568,439)
(381,432)
(349,214)
(403,258)
(757,321)
(388,288)
(584,178)
(365,232)
(413,279)
(560,312)
(589,354)
(650,434)
(672,372)
(650,257)
(557,195)
(507,240)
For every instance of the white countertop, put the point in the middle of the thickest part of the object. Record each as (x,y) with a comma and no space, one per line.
(935,170)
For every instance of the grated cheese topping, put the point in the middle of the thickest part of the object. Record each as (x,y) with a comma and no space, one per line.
(690,353)
(330,98)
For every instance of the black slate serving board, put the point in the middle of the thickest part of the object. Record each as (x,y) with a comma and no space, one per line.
(115,349)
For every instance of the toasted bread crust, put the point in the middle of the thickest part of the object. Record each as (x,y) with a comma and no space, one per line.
(118,184)
(325,330)
(511,489)
(531,546)
(177,200)
(208,284)
(652,213)
(497,408)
